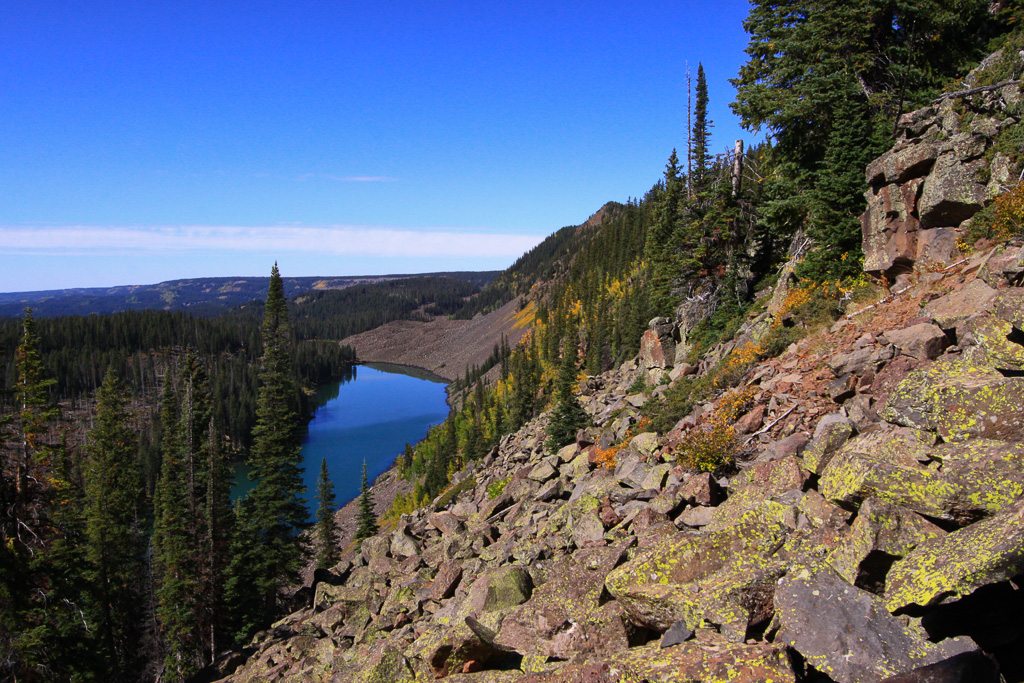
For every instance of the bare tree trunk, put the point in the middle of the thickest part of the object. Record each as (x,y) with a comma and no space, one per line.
(737,168)
(689,136)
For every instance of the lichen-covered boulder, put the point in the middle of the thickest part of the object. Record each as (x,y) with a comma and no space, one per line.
(1009,305)
(854,475)
(999,344)
(691,661)
(949,567)
(960,400)
(724,578)
(446,650)
(831,432)
(846,633)
(903,163)
(390,667)
(757,485)
(987,476)
(952,192)
(566,618)
(880,527)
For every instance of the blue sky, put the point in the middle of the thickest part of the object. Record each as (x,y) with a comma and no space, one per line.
(150,141)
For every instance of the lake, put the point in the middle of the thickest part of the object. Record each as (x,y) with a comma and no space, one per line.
(372,416)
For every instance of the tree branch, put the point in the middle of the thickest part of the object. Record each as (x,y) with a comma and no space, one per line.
(974,91)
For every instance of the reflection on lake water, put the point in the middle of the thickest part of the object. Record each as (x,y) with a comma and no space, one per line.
(371,415)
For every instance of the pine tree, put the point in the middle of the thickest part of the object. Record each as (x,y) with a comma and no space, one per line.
(42,634)
(367,519)
(326,526)
(701,135)
(269,551)
(568,416)
(35,414)
(189,531)
(659,248)
(174,545)
(113,530)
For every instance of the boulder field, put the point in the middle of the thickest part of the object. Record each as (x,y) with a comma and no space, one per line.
(872,534)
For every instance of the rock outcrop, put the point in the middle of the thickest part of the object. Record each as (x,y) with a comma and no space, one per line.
(945,166)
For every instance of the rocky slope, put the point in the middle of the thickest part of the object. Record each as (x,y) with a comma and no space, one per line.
(875,526)
(872,530)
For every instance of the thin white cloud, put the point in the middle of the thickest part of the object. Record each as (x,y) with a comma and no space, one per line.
(362,179)
(326,176)
(341,240)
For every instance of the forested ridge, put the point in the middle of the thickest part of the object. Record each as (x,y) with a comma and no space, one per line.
(200,296)
(122,559)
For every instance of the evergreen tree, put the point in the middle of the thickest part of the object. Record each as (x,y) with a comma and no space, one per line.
(828,77)
(659,249)
(326,526)
(112,529)
(701,135)
(35,414)
(174,545)
(190,527)
(273,513)
(568,416)
(42,634)
(367,520)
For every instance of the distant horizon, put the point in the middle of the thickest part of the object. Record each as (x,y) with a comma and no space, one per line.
(246,277)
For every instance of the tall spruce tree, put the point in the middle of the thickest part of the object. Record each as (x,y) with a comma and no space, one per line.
(35,414)
(367,520)
(326,526)
(189,531)
(269,551)
(113,529)
(701,135)
(568,416)
(174,545)
(42,633)
(658,250)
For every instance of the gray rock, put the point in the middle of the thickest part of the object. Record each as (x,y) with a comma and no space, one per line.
(697,516)
(951,193)
(677,633)
(587,530)
(542,472)
(403,545)
(830,434)
(848,632)
(923,341)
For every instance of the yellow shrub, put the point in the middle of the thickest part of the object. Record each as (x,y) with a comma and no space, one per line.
(709,446)
(605,457)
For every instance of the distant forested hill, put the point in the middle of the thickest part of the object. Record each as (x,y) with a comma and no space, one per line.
(201,296)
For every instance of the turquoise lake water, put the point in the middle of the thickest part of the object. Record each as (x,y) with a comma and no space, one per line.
(372,416)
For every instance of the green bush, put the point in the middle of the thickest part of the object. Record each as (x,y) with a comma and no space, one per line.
(495,488)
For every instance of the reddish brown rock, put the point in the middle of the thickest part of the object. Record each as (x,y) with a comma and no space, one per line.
(752,421)
(446,581)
